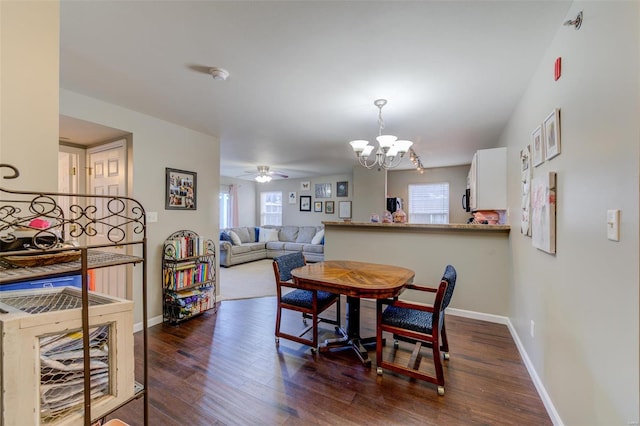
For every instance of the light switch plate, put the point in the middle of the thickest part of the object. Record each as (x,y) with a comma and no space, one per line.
(152,217)
(613,225)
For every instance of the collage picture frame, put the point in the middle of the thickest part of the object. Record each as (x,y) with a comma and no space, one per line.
(180,189)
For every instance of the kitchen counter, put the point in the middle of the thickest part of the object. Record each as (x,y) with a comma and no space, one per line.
(480,254)
(423,227)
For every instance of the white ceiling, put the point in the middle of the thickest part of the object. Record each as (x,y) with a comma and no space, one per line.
(304,74)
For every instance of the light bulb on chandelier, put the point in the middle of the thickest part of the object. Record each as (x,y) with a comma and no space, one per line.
(390,150)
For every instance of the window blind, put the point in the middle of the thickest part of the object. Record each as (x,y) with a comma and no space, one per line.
(429,203)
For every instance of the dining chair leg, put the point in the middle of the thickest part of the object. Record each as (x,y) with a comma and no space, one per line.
(438,367)
(445,343)
(278,315)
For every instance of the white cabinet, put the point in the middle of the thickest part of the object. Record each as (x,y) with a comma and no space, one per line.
(487,180)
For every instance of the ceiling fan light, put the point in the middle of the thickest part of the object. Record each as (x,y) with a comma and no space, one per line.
(263,178)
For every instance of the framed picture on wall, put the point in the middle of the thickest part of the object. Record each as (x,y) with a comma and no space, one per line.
(305,203)
(537,146)
(323,190)
(180,190)
(342,189)
(344,210)
(292,198)
(317,207)
(552,134)
(329,207)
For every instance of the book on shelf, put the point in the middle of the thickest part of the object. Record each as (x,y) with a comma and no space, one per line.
(175,279)
(188,246)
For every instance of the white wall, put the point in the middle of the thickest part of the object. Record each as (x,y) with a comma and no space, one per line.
(29,74)
(246,200)
(154,149)
(584,300)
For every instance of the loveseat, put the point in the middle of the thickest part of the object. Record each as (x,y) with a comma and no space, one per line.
(246,244)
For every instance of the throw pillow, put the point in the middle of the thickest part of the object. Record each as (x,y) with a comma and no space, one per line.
(318,238)
(234,238)
(244,234)
(267,235)
(305,234)
(225,237)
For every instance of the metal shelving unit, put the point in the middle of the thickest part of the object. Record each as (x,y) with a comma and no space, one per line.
(40,215)
(189,276)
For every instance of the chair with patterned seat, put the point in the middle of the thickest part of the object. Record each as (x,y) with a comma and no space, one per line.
(419,324)
(311,303)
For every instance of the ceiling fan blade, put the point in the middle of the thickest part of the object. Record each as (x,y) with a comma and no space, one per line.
(282,175)
(199,68)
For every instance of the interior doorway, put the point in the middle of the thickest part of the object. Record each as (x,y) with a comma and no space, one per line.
(93,159)
(107,175)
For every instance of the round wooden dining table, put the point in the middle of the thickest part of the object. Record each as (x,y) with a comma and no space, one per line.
(356,280)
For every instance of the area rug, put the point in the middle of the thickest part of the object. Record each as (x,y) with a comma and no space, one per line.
(247,280)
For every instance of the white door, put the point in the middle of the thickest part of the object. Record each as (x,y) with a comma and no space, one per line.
(107,166)
(71,163)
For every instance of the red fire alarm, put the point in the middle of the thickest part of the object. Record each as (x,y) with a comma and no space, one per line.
(557,71)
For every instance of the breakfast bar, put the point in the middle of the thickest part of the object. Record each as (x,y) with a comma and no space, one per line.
(479,253)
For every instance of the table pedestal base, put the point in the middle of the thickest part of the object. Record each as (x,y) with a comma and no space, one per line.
(351,336)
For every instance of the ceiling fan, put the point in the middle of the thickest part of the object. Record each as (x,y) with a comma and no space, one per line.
(265,175)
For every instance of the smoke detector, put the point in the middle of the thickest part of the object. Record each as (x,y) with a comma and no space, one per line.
(219,73)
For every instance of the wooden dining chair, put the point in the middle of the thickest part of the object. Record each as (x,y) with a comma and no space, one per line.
(420,324)
(311,303)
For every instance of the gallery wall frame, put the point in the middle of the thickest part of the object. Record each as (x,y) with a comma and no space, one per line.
(305,186)
(323,190)
(537,146)
(305,203)
(525,205)
(342,189)
(329,207)
(180,189)
(543,212)
(293,198)
(344,209)
(317,206)
(551,126)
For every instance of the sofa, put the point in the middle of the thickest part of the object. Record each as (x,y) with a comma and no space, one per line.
(247,243)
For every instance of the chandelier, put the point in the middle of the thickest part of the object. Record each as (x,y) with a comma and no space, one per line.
(390,150)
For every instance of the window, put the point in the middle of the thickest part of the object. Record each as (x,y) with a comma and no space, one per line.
(271,208)
(429,203)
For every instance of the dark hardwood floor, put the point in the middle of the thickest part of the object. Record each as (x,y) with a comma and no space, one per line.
(225,369)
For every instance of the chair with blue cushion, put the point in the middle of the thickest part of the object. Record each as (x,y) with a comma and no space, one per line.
(420,324)
(311,303)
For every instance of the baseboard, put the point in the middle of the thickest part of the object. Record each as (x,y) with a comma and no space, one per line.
(150,323)
(499,319)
